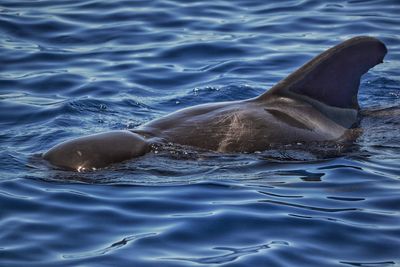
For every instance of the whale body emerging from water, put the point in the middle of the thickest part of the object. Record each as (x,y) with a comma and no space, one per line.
(316,103)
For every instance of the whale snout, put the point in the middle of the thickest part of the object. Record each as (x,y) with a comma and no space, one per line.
(97,151)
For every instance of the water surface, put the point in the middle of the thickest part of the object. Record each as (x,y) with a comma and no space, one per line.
(70,68)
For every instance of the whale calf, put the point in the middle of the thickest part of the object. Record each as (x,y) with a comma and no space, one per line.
(316,103)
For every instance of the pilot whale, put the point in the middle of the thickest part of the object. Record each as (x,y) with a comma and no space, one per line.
(316,103)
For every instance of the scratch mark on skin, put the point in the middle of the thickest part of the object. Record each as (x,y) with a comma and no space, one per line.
(236,130)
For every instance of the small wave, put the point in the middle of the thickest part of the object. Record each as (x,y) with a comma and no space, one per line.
(233,253)
(115,246)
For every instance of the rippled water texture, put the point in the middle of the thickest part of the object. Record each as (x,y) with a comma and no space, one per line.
(70,68)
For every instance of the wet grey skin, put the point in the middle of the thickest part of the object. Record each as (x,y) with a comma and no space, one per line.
(316,103)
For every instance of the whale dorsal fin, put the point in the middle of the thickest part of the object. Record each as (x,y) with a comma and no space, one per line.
(333,77)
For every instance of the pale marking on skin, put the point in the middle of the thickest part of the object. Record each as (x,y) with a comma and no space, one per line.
(235,131)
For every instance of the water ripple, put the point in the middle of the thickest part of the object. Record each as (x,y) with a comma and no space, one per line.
(76,67)
(109,249)
(233,253)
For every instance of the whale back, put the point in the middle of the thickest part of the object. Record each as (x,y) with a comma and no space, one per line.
(330,81)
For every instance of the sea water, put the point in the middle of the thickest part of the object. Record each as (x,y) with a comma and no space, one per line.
(77,67)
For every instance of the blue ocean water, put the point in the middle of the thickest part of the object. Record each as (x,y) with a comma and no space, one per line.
(70,68)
